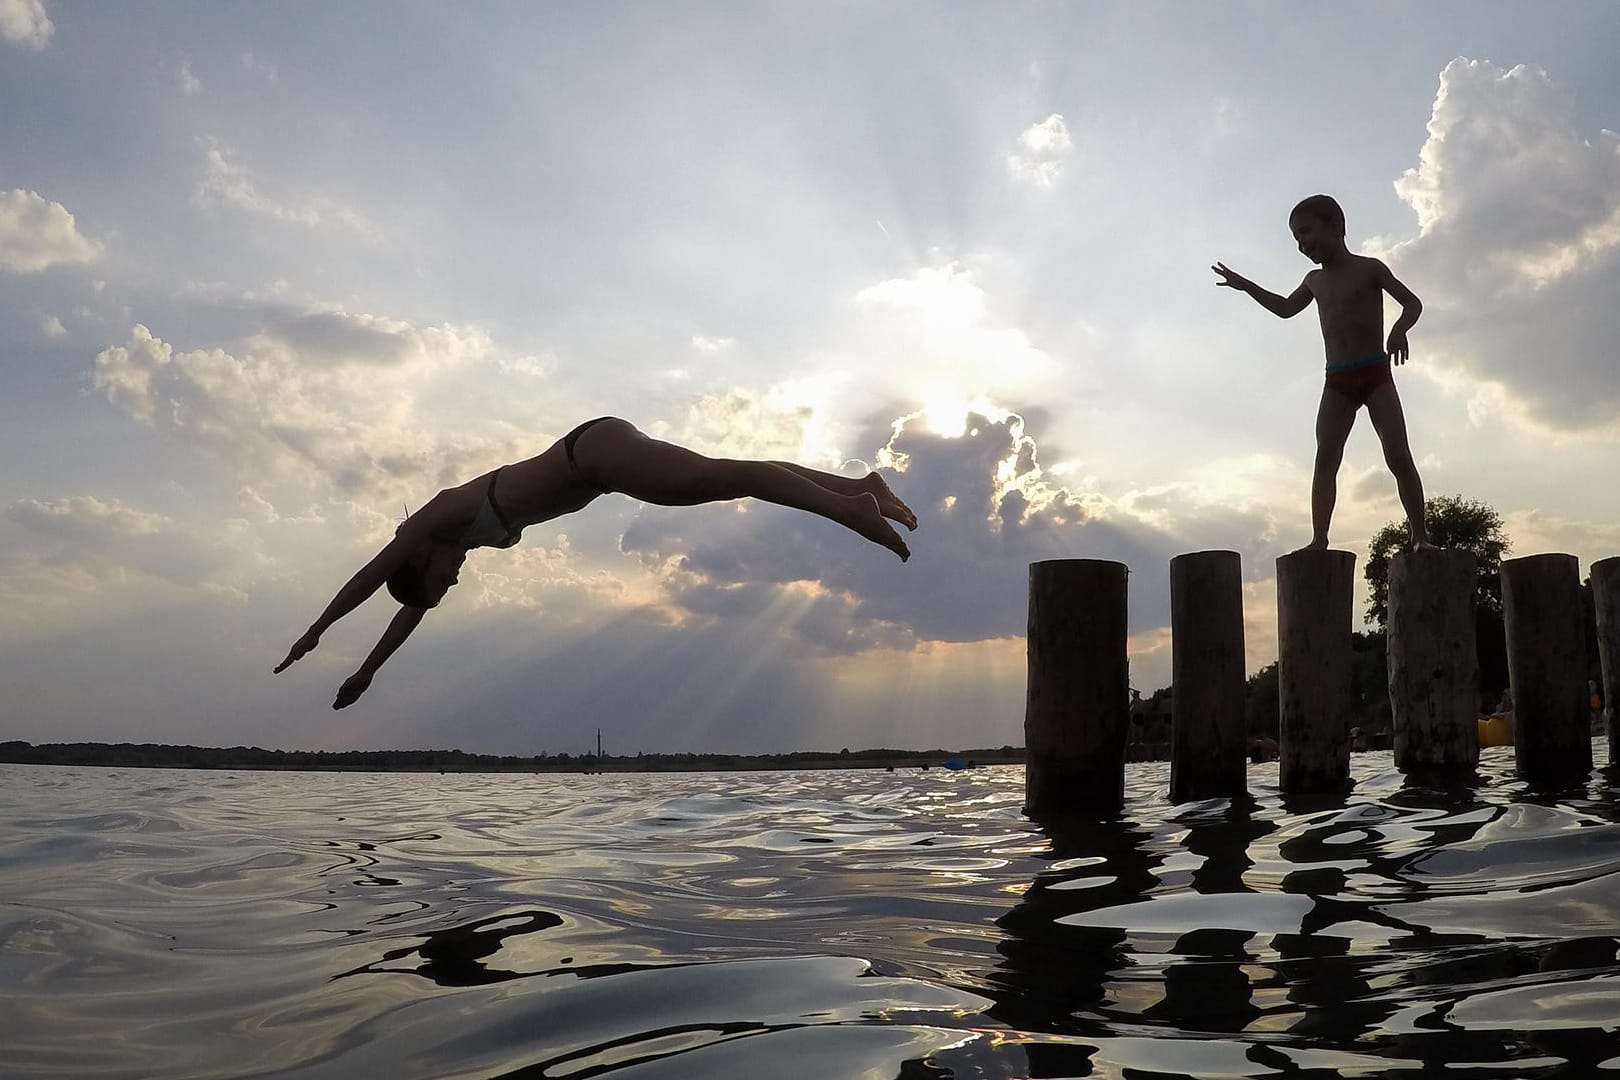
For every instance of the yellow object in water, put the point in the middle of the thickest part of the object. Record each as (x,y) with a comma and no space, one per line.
(1494,731)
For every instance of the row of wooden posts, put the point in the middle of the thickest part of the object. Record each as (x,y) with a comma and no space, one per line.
(1076,719)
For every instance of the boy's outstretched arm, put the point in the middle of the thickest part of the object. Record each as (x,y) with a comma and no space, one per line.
(1283,306)
(399,628)
(1411,308)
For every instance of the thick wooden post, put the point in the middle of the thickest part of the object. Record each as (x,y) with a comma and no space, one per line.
(1077,706)
(1314,589)
(1546,646)
(1207,749)
(1433,664)
(1606,598)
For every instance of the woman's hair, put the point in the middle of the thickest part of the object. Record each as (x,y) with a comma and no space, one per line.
(1323,208)
(407,585)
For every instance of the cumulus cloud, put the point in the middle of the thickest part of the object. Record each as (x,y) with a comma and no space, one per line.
(551,579)
(25,23)
(52,327)
(190,85)
(228,183)
(36,233)
(102,538)
(1518,248)
(329,398)
(741,423)
(1043,149)
(986,509)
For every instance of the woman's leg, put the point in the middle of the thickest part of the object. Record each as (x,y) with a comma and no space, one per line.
(618,457)
(873,484)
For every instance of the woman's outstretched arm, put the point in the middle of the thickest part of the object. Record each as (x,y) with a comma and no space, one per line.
(367,580)
(399,628)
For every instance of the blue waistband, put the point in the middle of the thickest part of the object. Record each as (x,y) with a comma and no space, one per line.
(1360,361)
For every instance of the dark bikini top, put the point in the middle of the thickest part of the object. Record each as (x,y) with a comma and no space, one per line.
(489,526)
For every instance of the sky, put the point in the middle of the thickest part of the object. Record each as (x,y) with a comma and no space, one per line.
(271,275)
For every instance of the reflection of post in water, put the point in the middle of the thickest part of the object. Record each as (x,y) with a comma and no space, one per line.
(1333,985)
(1222,837)
(1051,972)
(1210,990)
(1328,983)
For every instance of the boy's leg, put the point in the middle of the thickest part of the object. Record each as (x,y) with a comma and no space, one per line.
(1335,416)
(1388,419)
(655,471)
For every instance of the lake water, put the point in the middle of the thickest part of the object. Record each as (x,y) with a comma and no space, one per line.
(799,925)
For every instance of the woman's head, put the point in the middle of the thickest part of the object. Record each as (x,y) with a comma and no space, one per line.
(423,579)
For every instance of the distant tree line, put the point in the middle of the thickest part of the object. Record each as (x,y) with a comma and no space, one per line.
(163,755)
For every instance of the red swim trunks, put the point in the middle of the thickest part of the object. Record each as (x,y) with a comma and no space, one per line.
(1357,379)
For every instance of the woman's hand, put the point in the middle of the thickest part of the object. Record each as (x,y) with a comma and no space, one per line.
(352,688)
(303,645)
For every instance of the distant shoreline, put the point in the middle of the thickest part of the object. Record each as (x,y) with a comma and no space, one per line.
(166,756)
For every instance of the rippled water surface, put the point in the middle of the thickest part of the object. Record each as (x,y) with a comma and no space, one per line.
(160,923)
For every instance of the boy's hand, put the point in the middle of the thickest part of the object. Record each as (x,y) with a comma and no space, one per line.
(352,688)
(300,647)
(1397,347)
(1231,278)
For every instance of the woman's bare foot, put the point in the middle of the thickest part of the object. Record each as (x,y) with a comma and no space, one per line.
(888,502)
(866,517)
(1318,543)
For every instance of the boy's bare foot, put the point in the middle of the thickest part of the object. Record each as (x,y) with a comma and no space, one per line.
(866,517)
(1317,543)
(888,502)
(1423,545)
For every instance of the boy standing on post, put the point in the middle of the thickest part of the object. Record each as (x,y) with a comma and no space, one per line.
(1348,290)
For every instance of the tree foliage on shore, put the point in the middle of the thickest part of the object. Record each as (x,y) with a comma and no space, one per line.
(1465,525)
(1452,522)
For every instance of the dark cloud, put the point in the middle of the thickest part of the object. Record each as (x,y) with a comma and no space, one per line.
(985,509)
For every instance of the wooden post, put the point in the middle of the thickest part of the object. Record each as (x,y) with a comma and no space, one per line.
(1606,598)
(1207,746)
(1546,646)
(1314,588)
(1433,663)
(1077,706)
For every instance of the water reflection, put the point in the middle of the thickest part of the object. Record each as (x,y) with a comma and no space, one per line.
(453,957)
(803,925)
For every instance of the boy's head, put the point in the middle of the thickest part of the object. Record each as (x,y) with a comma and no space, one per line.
(1317,223)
